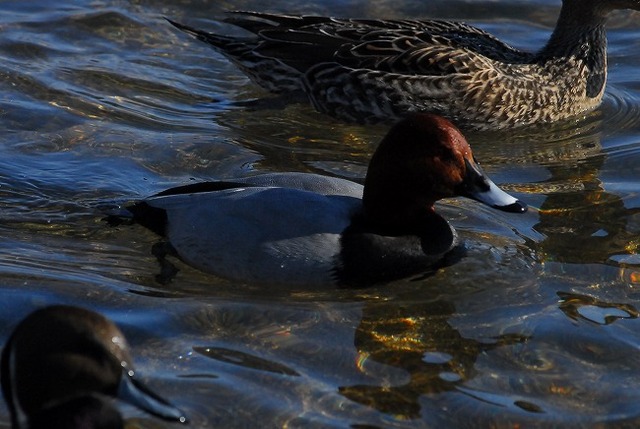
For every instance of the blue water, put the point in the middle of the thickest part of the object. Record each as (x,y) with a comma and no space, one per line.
(103,102)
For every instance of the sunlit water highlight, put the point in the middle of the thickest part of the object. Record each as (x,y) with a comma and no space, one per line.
(103,102)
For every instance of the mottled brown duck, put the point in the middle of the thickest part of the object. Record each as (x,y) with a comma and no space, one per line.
(374,70)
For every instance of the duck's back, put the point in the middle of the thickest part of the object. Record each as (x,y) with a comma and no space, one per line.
(385,45)
(259,234)
(324,185)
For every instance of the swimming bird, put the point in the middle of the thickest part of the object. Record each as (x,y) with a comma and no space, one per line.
(310,229)
(63,366)
(372,70)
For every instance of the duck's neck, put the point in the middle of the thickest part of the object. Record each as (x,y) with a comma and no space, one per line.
(395,213)
(573,31)
(580,34)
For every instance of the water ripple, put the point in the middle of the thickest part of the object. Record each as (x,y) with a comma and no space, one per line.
(102,102)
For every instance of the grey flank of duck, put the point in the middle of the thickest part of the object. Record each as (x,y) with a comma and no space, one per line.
(63,367)
(370,70)
(304,229)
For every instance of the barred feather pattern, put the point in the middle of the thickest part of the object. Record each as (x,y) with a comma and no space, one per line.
(369,71)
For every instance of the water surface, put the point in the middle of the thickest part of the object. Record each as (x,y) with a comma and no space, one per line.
(103,102)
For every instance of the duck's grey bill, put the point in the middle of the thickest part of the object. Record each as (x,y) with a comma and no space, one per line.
(135,393)
(479,187)
(499,199)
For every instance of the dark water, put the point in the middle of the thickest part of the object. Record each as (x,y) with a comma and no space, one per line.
(102,102)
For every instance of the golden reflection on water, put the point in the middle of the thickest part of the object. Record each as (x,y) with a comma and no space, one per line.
(418,339)
(536,326)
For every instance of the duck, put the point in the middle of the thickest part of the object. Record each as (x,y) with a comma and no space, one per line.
(305,229)
(376,70)
(63,366)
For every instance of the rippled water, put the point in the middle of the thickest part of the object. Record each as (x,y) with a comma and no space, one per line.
(103,102)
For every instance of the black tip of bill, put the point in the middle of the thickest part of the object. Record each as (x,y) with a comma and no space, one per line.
(516,207)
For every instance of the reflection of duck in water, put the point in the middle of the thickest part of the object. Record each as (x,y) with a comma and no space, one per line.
(581,221)
(303,229)
(62,367)
(367,70)
(417,338)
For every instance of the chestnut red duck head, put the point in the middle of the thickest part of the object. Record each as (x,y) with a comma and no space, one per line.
(422,159)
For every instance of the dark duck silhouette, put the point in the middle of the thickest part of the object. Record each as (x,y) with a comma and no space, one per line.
(64,366)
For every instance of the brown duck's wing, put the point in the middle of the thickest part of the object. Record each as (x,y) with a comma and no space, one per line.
(416,57)
(406,50)
(390,45)
(258,21)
